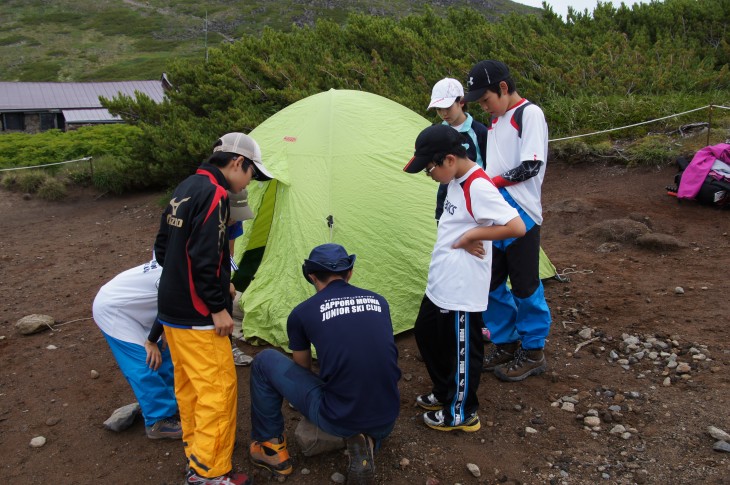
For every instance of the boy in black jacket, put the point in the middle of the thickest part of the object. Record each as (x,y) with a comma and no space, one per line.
(194,304)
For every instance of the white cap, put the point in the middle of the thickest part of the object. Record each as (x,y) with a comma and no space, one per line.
(246,146)
(240,211)
(445,92)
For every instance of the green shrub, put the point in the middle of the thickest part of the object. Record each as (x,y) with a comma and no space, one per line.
(110,175)
(52,189)
(9,180)
(651,150)
(78,175)
(52,146)
(30,180)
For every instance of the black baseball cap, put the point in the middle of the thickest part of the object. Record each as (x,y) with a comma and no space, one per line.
(482,75)
(433,140)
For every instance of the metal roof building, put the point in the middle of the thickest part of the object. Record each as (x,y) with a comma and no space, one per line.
(33,107)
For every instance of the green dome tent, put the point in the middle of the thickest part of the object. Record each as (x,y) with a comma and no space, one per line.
(338,159)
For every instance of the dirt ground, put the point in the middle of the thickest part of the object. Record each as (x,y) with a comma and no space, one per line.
(55,256)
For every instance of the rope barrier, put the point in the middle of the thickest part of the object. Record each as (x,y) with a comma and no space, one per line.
(45,165)
(635,124)
(550,141)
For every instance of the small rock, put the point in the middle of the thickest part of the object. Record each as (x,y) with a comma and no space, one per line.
(305,471)
(619,428)
(432,481)
(404,462)
(94,374)
(51,347)
(38,441)
(407,377)
(592,421)
(683,368)
(568,406)
(679,290)
(123,417)
(586,333)
(338,477)
(718,434)
(667,382)
(53,421)
(721,446)
(34,323)
(530,430)
(474,469)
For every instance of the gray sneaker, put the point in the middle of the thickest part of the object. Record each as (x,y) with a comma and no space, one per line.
(168,428)
(240,358)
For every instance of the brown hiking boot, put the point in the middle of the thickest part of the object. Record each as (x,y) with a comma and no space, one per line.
(525,364)
(499,355)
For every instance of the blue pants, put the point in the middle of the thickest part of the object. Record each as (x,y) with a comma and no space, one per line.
(275,377)
(155,390)
(522,312)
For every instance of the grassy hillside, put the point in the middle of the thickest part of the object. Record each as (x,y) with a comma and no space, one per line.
(98,40)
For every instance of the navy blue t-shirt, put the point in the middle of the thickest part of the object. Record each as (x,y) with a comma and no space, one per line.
(352,332)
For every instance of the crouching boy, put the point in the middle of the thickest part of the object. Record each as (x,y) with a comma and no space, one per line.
(355,396)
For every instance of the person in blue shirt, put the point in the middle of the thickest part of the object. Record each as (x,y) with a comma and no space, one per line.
(355,395)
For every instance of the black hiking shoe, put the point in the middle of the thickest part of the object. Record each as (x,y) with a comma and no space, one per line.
(361,470)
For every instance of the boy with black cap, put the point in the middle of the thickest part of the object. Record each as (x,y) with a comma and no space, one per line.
(448,328)
(194,304)
(447,97)
(517,145)
(355,396)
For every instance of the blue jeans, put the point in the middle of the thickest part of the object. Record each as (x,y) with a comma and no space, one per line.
(275,377)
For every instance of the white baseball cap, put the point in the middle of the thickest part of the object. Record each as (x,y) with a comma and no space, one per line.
(246,146)
(445,92)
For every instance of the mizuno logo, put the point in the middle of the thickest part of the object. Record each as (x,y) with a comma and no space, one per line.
(175,204)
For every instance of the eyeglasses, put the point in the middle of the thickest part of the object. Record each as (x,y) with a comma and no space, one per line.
(428,171)
(249,163)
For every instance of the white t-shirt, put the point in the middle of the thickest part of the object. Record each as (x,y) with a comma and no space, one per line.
(506,151)
(456,279)
(126,307)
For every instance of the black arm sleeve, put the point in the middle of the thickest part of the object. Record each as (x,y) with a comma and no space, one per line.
(526,170)
(155,331)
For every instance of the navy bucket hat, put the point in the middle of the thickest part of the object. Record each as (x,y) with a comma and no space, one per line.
(328,258)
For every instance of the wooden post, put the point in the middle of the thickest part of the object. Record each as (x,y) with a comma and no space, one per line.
(91,167)
(709,125)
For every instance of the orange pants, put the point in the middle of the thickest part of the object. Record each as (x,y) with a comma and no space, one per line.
(206,391)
